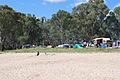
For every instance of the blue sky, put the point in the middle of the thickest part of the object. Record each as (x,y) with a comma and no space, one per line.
(48,7)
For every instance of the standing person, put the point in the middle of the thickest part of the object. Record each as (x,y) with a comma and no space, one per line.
(38,53)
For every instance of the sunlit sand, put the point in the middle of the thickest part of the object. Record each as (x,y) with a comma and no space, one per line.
(60,66)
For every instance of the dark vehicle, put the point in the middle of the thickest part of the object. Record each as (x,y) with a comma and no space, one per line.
(28,46)
(64,46)
(42,46)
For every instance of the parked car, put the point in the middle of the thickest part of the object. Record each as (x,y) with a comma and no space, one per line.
(64,46)
(28,46)
(118,43)
(42,46)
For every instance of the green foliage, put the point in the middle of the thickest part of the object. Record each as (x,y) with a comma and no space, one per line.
(61,24)
(90,17)
(31,29)
(64,50)
(84,23)
(23,39)
(10,26)
(117,12)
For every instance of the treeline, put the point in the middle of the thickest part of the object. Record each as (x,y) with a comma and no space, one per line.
(85,22)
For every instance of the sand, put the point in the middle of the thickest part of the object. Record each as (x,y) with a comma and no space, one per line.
(62,66)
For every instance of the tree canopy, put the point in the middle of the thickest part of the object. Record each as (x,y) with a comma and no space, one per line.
(86,21)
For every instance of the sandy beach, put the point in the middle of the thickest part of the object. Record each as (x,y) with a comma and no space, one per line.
(62,66)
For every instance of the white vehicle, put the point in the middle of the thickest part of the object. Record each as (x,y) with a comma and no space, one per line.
(118,43)
(102,40)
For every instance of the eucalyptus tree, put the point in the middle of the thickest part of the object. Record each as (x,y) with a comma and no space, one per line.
(44,25)
(10,27)
(61,22)
(117,15)
(111,26)
(117,12)
(90,17)
(31,30)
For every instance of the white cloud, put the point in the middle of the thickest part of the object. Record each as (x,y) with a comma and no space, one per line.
(117,5)
(54,1)
(78,2)
(44,3)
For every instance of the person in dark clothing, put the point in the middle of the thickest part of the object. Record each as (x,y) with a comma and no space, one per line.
(38,53)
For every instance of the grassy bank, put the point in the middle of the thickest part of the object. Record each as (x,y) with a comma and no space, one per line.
(1,52)
(64,50)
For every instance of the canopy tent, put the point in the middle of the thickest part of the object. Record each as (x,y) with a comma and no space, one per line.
(77,46)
